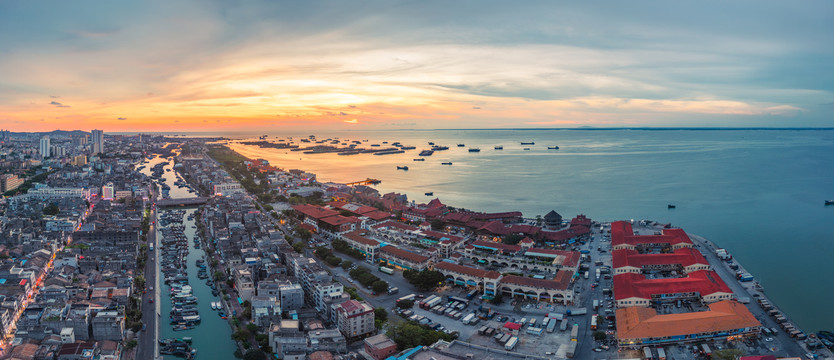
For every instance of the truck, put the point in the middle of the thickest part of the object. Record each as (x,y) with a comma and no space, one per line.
(587,274)
(545,322)
(706,348)
(511,343)
(407,297)
(596,305)
(551,326)
(571,351)
(574,332)
(661,354)
(564,325)
(386,270)
(579,311)
(150,246)
(535,331)
(532,322)
(594,322)
(597,274)
(468,318)
(472,294)
(647,353)
(504,338)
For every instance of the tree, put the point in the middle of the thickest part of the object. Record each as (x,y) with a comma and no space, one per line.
(131,344)
(599,335)
(727,354)
(51,209)
(298,247)
(424,280)
(437,224)
(381,314)
(512,239)
(252,328)
(346,264)
(405,304)
(379,286)
(241,335)
(254,354)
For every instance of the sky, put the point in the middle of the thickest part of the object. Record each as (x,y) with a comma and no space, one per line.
(210,65)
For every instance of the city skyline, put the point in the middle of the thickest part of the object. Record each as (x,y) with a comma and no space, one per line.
(214,66)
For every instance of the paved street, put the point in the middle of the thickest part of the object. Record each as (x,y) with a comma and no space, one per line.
(148,337)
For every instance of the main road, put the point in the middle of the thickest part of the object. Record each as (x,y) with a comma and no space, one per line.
(148,339)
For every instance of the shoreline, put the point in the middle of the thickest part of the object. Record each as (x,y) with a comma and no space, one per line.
(748,287)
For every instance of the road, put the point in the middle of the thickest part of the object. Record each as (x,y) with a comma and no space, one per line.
(790,347)
(148,338)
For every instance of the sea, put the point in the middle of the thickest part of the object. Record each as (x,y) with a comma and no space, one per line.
(758,193)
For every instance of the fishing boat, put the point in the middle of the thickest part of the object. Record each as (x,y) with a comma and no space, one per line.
(526,148)
(420,159)
(670,206)
(829,202)
(474,150)
(528,143)
(430,193)
(499,147)
(446,163)
(402,167)
(461,145)
(426,153)
(553,148)
(439,148)
(431,143)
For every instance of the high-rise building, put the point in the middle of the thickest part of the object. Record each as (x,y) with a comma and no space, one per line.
(98,141)
(45,149)
(107,191)
(10,182)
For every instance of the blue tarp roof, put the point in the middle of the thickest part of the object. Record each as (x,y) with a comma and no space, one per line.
(406,355)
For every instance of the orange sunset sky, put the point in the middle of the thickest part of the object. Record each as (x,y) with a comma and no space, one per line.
(221,65)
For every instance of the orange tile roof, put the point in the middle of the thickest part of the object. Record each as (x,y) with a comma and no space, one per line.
(644,323)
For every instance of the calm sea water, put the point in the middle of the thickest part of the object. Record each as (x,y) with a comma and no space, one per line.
(758,193)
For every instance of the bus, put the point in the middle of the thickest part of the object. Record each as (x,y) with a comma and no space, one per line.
(472,294)
(593,322)
(386,270)
(407,297)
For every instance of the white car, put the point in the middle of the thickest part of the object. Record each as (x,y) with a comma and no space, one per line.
(768,339)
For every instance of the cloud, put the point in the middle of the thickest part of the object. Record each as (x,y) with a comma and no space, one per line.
(351,121)
(54,96)
(57,104)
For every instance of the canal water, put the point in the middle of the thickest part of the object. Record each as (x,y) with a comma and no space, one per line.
(212,337)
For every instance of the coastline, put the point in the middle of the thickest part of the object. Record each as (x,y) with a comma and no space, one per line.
(637,215)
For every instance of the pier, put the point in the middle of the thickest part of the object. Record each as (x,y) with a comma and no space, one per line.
(367,181)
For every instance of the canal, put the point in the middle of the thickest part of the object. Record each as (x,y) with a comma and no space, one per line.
(212,337)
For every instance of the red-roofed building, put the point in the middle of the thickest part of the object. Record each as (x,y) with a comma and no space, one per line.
(622,237)
(557,290)
(510,217)
(358,240)
(566,260)
(682,260)
(311,214)
(487,281)
(581,220)
(565,236)
(394,232)
(636,290)
(354,318)
(403,259)
(337,225)
(496,247)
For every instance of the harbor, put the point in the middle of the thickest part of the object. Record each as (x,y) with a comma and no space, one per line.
(188,304)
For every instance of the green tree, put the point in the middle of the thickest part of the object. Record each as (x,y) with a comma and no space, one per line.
(599,335)
(437,224)
(512,239)
(405,304)
(254,354)
(728,354)
(425,280)
(381,314)
(299,247)
(346,264)
(379,286)
(51,209)
(131,344)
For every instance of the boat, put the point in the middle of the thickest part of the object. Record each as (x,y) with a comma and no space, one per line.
(420,159)
(430,193)
(431,143)
(402,167)
(446,163)
(553,148)
(439,148)
(461,145)
(670,206)
(526,148)
(829,202)
(426,153)
(528,143)
(499,147)
(474,150)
